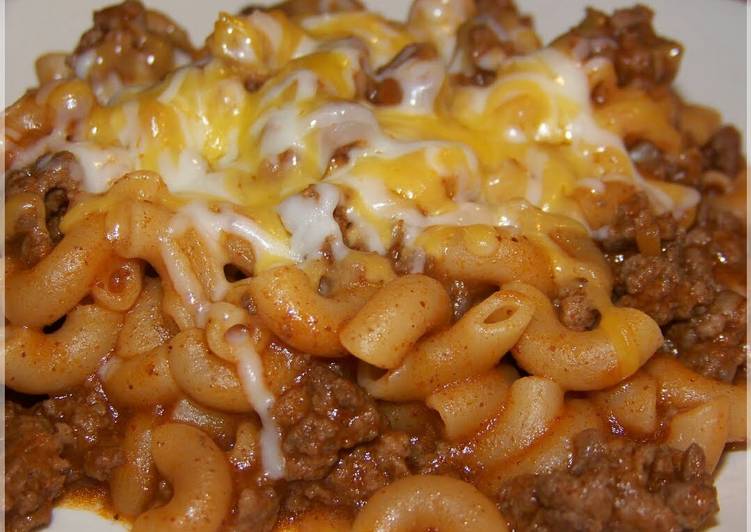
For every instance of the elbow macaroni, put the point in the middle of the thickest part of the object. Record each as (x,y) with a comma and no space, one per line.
(264,202)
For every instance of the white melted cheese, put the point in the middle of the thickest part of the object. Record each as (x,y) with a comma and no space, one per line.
(190,174)
(420,81)
(437,21)
(250,371)
(309,217)
(385,205)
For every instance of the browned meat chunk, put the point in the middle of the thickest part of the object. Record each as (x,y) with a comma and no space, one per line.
(635,215)
(684,168)
(320,415)
(35,472)
(89,426)
(497,31)
(723,151)
(54,179)
(714,342)
(356,476)
(614,484)
(688,287)
(135,44)
(667,286)
(257,510)
(641,57)
(575,310)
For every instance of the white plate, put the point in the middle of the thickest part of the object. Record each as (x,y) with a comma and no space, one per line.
(713,73)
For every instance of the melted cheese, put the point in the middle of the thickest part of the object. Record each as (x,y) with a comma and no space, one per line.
(532,134)
(271,165)
(239,161)
(250,371)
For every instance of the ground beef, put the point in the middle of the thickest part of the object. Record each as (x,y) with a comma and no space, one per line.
(713,343)
(685,287)
(575,310)
(35,472)
(614,484)
(88,425)
(54,178)
(684,168)
(723,151)
(632,216)
(692,164)
(257,510)
(667,286)
(722,236)
(356,475)
(52,444)
(482,48)
(320,415)
(641,57)
(134,44)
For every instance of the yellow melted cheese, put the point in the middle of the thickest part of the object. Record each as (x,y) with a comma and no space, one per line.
(463,155)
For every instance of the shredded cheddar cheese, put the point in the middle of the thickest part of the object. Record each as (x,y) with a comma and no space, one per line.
(446,154)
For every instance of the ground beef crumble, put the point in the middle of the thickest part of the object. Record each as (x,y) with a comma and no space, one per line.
(88,423)
(641,57)
(132,43)
(575,310)
(683,288)
(35,472)
(53,179)
(52,445)
(481,47)
(614,484)
(356,476)
(320,415)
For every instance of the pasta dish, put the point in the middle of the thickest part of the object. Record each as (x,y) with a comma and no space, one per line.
(329,271)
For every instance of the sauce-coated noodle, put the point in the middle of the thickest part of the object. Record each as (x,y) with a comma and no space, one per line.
(429,503)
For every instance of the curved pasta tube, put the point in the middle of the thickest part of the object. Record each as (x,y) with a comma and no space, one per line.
(203,376)
(471,346)
(137,186)
(680,387)
(175,307)
(466,406)
(429,502)
(487,254)
(206,262)
(582,258)
(585,360)
(222,317)
(136,229)
(631,403)
(550,452)
(141,381)
(533,405)
(292,308)
(133,483)
(222,427)
(397,316)
(45,293)
(145,326)
(202,491)
(118,286)
(706,425)
(38,363)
